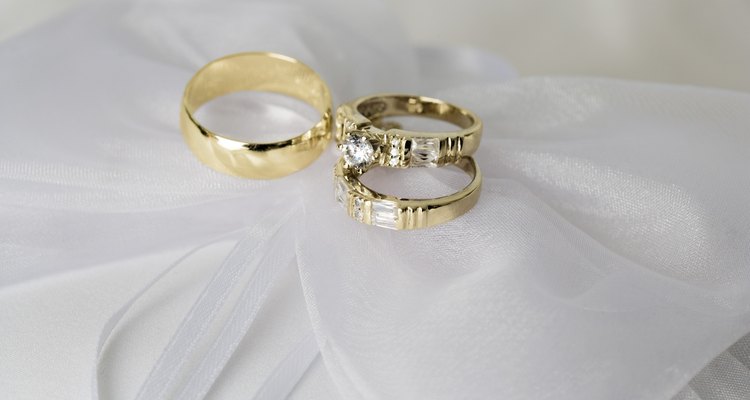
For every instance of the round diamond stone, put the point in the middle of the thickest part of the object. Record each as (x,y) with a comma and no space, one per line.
(357,151)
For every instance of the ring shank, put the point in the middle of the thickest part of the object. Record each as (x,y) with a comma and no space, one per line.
(378,107)
(259,72)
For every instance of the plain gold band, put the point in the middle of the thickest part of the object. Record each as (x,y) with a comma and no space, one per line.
(260,72)
(370,207)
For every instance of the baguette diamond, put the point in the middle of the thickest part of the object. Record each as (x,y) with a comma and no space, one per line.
(341,191)
(424,152)
(384,214)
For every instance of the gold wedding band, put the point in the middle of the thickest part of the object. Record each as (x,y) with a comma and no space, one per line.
(365,140)
(370,207)
(260,72)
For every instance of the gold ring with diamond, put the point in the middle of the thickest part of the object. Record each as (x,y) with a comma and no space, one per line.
(262,72)
(370,207)
(365,140)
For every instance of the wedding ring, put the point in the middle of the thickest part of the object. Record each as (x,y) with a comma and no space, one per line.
(260,72)
(365,140)
(373,208)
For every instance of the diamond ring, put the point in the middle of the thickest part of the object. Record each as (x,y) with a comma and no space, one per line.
(370,207)
(365,140)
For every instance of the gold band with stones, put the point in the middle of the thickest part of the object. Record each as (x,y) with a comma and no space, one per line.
(395,147)
(261,72)
(370,207)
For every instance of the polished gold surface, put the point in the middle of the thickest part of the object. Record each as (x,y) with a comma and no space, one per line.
(396,147)
(370,207)
(267,72)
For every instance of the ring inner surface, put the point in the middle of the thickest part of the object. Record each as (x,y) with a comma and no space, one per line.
(257,72)
(379,107)
(464,164)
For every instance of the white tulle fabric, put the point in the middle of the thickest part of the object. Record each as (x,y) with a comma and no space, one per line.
(607,258)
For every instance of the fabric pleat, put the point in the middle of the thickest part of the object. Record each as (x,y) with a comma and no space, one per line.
(607,257)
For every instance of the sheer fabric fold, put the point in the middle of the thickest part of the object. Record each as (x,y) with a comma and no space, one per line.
(607,257)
